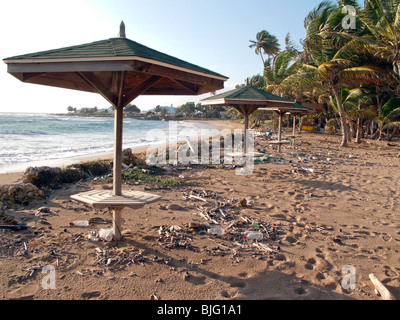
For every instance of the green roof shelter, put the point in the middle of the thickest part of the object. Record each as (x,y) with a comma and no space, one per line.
(120,70)
(295,109)
(247,100)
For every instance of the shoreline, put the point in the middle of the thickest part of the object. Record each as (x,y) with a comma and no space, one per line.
(14,173)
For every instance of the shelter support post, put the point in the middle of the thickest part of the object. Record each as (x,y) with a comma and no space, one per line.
(294,125)
(280,132)
(246,127)
(118,124)
(117,223)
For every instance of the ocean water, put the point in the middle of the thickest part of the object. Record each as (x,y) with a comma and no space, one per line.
(49,139)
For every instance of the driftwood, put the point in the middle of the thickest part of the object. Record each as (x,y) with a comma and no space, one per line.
(197,198)
(383,291)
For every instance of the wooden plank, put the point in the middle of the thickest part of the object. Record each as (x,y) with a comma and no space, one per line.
(100,198)
(67,81)
(98,85)
(178,75)
(192,89)
(143,87)
(118,135)
(117,226)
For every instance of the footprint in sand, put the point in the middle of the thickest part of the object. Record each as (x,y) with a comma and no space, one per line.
(310,264)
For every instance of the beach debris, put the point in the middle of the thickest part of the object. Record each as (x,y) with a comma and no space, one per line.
(174,207)
(99,220)
(79,223)
(175,237)
(118,258)
(93,237)
(29,272)
(253,235)
(186,276)
(16,227)
(264,247)
(216,231)
(106,234)
(380,288)
(197,198)
(245,203)
(43,212)
(8,223)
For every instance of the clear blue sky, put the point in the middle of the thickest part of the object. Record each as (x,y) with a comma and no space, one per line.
(213,34)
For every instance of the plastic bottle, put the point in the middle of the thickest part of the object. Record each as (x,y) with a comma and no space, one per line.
(106,234)
(253,235)
(216,231)
(79,223)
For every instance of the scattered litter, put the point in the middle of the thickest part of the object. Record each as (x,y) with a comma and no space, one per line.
(253,235)
(216,231)
(16,227)
(7,223)
(43,211)
(197,198)
(106,234)
(99,221)
(79,223)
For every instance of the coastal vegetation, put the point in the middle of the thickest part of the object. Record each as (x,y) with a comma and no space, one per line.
(188,110)
(348,63)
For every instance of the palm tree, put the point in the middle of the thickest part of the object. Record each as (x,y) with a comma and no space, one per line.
(388,112)
(284,64)
(265,44)
(320,63)
(326,60)
(381,22)
(377,46)
(358,106)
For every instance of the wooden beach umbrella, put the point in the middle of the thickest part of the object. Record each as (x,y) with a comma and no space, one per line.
(281,110)
(120,70)
(247,100)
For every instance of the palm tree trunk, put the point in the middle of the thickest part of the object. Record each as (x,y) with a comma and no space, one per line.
(342,116)
(395,133)
(381,126)
(359,130)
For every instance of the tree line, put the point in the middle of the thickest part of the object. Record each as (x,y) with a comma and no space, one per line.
(349,62)
(188,109)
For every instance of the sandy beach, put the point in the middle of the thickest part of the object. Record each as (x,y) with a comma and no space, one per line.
(329,217)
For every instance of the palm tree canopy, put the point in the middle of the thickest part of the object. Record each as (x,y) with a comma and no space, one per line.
(266,43)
